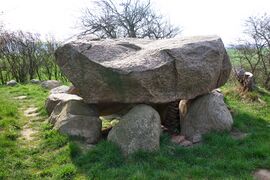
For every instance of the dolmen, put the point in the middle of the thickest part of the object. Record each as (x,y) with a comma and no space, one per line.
(144,75)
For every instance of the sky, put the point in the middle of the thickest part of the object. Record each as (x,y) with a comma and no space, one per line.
(60,18)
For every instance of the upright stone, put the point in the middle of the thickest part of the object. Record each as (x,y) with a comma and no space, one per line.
(205,114)
(54,99)
(77,119)
(139,129)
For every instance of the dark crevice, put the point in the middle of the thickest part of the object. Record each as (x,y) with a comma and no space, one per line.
(130,46)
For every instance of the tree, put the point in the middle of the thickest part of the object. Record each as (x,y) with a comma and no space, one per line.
(18,50)
(24,56)
(1,23)
(254,52)
(130,18)
(49,68)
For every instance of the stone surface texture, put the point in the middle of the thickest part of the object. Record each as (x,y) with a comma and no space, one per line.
(139,129)
(35,81)
(50,84)
(77,119)
(60,89)
(144,71)
(206,113)
(262,174)
(12,83)
(54,99)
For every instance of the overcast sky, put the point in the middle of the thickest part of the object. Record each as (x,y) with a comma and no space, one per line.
(197,17)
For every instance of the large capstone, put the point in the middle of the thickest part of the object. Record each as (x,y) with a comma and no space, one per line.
(144,71)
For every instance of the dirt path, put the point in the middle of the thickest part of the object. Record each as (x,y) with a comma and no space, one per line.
(28,132)
(31,114)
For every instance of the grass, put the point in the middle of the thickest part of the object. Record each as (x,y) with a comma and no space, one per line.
(55,156)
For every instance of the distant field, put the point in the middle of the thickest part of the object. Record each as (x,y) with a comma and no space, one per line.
(53,156)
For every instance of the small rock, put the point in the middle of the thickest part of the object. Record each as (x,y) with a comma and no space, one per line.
(60,89)
(112,117)
(20,97)
(177,139)
(50,84)
(35,81)
(186,143)
(262,174)
(114,122)
(262,101)
(218,90)
(196,138)
(164,129)
(12,83)
(238,135)
(31,112)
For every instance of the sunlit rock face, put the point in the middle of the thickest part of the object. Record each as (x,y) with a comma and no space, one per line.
(144,71)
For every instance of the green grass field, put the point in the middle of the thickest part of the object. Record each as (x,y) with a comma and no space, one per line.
(53,156)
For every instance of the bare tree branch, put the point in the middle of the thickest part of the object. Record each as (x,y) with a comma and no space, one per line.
(130,18)
(256,51)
